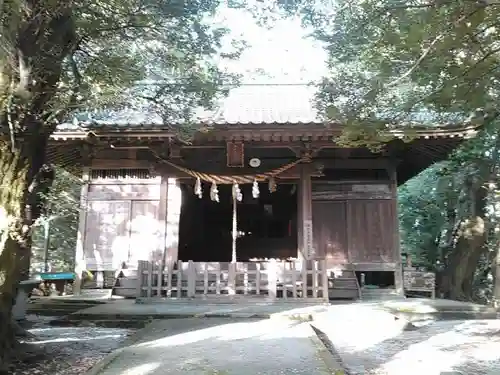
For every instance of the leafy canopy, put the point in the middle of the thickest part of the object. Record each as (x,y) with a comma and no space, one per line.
(115,55)
(408,62)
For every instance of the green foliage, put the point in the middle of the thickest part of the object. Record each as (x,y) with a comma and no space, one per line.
(407,63)
(61,213)
(421,216)
(434,204)
(134,54)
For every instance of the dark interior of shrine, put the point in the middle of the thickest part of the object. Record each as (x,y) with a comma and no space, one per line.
(379,279)
(267,225)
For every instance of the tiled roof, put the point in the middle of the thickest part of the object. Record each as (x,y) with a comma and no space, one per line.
(269,104)
(248,104)
(245,104)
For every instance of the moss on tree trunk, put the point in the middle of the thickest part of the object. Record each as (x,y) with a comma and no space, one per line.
(20,179)
(468,249)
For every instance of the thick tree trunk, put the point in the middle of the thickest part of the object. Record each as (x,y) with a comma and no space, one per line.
(20,181)
(463,261)
(468,249)
(43,36)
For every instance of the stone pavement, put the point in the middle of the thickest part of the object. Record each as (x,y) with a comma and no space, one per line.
(221,346)
(409,309)
(128,309)
(368,338)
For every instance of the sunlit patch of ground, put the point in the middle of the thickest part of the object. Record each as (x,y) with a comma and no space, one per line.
(68,350)
(440,348)
(222,346)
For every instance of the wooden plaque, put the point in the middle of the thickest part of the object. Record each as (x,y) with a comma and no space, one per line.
(235,154)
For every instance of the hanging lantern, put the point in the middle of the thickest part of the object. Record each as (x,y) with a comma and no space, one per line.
(237,193)
(214,192)
(197,188)
(272,185)
(255,189)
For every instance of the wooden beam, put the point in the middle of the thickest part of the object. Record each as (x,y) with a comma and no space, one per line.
(398,273)
(376,163)
(80,264)
(120,164)
(162,218)
(305,230)
(173,213)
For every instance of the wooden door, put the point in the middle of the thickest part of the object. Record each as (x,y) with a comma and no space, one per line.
(371,229)
(106,234)
(146,232)
(329,231)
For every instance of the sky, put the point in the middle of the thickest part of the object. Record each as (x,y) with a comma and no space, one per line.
(284,52)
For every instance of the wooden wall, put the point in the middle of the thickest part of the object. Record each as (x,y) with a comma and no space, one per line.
(355,223)
(125,220)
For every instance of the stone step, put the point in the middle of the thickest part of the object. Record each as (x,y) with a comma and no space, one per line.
(344,283)
(108,323)
(379,291)
(51,312)
(62,301)
(58,307)
(379,294)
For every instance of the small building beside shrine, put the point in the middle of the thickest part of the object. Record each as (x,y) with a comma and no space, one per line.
(262,202)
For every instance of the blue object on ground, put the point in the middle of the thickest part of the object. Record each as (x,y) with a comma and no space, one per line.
(46,276)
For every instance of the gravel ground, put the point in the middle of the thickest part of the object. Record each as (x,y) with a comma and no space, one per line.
(69,350)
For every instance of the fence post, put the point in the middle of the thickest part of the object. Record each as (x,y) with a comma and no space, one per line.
(217,278)
(159,280)
(170,269)
(140,278)
(191,279)
(272,279)
(324,280)
(180,274)
(293,269)
(283,272)
(315,278)
(257,277)
(231,279)
(150,279)
(305,279)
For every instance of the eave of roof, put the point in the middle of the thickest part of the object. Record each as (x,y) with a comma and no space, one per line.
(230,131)
(248,108)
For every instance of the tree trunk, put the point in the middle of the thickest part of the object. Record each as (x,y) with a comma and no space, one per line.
(42,36)
(463,261)
(468,249)
(20,179)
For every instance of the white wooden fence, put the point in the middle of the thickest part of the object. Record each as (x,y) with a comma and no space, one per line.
(271,279)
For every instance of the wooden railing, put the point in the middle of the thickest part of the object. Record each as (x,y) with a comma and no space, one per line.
(271,279)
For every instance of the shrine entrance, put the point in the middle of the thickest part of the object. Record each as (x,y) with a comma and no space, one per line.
(266,226)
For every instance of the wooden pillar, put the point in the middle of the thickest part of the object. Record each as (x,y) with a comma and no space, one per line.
(162,219)
(304,225)
(398,274)
(173,195)
(80,264)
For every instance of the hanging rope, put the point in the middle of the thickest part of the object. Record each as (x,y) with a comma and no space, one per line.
(234,179)
(255,189)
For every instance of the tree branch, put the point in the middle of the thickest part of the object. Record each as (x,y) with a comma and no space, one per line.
(429,49)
